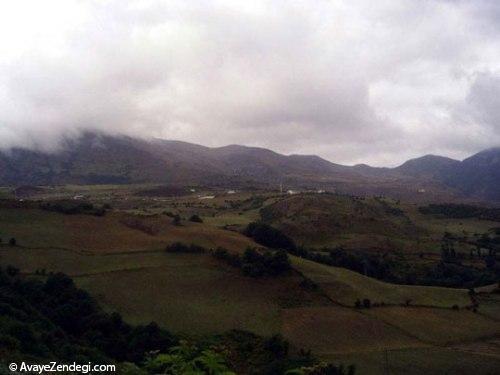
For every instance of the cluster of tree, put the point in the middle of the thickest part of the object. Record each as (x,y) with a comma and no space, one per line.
(255,263)
(461,211)
(451,274)
(195,219)
(365,303)
(54,320)
(268,236)
(73,207)
(183,359)
(395,270)
(179,247)
(12,241)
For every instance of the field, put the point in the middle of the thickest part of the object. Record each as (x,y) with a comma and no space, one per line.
(345,287)
(120,259)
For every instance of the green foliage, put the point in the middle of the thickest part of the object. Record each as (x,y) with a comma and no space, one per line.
(55,319)
(188,359)
(254,263)
(69,207)
(448,272)
(176,220)
(461,211)
(268,236)
(195,219)
(323,369)
(179,247)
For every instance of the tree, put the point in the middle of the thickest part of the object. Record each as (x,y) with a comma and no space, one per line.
(176,220)
(270,237)
(12,242)
(195,219)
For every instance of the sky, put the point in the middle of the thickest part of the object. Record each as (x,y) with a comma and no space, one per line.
(374,82)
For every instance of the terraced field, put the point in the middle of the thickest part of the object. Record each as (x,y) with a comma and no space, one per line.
(120,259)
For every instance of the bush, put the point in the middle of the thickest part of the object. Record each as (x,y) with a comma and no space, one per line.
(176,220)
(69,207)
(179,247)
(195,219)
(270,237)
(254,263)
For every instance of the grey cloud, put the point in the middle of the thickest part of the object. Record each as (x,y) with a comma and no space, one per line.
(352,81)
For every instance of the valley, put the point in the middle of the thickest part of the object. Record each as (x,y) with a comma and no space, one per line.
(111,240)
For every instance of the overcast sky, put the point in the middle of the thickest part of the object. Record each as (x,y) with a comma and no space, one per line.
(352,81)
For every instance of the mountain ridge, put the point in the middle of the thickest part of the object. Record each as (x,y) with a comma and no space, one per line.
(100,158)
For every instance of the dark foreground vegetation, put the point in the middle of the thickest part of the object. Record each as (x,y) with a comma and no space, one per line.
(253,262)
(73,207)
(461,211)
(52,319)
(449,271)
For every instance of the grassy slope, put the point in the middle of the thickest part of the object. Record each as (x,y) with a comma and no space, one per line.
(418,361)
(326,219)
(345,286)
(196,294)
(90,234)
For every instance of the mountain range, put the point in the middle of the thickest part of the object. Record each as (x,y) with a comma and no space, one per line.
(104,159)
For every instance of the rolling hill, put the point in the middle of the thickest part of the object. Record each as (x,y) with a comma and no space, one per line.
(104,159)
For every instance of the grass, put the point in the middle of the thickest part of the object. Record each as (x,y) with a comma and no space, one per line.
(437,326)
(417,361)
(74,263)
(90,234)
(324,219)
(328,330)
(345,286)
(232,218)
(195,294)
(127,270)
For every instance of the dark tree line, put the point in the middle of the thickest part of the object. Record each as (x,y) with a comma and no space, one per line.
(54,319)
(268,236)
(461,211)
(385,267)
(69,207)
(255,263)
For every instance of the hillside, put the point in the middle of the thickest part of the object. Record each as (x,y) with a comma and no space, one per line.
(321,219)
(119,259)
(103,159)
(479,175)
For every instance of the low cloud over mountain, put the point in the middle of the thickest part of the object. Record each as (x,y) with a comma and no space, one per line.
(350,81)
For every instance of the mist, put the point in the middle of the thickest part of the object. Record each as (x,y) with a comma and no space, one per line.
(352,81)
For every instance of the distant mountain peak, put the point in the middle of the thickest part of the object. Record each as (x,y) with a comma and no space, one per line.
(95,158)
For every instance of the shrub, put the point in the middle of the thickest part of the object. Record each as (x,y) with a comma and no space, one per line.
(256,264)
(179,247)
(270,237)
(176,220)
(69,207)
(195,219)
